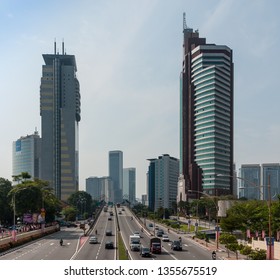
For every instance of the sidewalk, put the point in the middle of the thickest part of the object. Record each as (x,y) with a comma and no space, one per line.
(221,252)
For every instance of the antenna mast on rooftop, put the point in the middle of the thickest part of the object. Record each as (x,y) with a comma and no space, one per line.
(184,21)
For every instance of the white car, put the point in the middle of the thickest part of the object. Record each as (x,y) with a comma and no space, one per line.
(165,238)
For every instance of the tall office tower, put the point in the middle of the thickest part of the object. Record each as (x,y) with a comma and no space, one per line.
(271,179)
(116,174)
(206,118)
(250,184)
(26,155)
(163,177)
(60,115)
(129,184)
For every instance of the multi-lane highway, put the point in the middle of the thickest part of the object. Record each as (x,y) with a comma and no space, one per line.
(77,246)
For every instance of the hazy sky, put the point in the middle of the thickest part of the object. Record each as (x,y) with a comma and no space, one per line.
(129,57)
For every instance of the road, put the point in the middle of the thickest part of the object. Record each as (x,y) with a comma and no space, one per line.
(77,247)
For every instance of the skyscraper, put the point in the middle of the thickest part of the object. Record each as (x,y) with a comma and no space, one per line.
(162,182)
(250,184)
(60,111)
(206,117)
(26,155)
(129,184)
(116,174)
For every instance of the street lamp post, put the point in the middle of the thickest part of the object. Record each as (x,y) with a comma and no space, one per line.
(270,240)
(217,209)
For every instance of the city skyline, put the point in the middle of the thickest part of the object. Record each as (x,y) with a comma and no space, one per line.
(129,58)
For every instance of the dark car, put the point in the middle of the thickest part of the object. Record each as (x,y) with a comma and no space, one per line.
(71,225)
(160,233)
(109,245)
(145,252)
(109,233)
(109,218)
(176,245)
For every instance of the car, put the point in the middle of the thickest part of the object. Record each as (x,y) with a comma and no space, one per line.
(165,238)
(109,233)
(93,240)
(109,218)
(137,233)
(120,212)
(71,225)
(176,245)
(156,228)
(160,233)
(111,213)
(109,245)
(145,251)
(150,225)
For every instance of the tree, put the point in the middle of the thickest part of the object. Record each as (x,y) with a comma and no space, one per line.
(82,201)
(6,212)
(230,242)
(30,196)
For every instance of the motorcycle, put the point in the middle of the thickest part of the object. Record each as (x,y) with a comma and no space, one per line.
(61,242)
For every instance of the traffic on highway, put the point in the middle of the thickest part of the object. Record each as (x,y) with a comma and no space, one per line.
(100,242)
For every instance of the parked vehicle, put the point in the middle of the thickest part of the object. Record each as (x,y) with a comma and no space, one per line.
(155,245)
(134,242)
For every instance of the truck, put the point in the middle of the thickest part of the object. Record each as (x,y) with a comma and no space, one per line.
(105,208)
(155,245)
(134,243)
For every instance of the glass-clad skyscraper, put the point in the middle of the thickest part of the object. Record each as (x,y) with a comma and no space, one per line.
(60,114)
(26,155)
(206,118)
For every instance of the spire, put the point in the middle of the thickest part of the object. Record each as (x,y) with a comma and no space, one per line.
(184,21)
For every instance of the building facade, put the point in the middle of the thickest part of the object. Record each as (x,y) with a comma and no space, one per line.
(250,181)
(259,181)
(163,177)
(27,155)
(100,188)
(116,174)
(129,184)
(60,111)
(206,118)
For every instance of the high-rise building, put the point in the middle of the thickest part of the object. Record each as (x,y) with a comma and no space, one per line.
(60,111)
(116,174)
(206,118)
(256,180)
(129,184)
(271,179)
(163,177)
(100,188)
(93,187)
(26,155)
(250,181)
